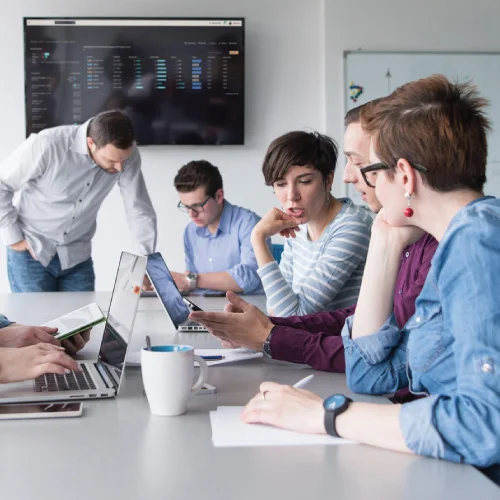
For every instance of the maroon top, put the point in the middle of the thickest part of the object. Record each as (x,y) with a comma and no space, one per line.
(315,339)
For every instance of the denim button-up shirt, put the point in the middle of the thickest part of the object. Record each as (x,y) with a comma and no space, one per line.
(449,349)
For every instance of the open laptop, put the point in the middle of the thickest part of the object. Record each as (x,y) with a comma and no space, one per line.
(176,306)
(101,378)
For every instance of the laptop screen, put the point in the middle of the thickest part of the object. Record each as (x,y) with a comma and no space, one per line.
(122,311)
(166,289)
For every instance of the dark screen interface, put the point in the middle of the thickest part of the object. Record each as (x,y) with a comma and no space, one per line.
(166,288)
(180,81)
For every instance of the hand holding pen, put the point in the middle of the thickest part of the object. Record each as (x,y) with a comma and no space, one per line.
(291,408)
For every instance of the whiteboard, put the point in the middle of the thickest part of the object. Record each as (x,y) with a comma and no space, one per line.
(369,75)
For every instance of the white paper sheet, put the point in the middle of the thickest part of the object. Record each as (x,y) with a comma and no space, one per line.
(230,356)
(229,430)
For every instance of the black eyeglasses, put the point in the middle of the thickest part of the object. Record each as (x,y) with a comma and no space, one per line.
(196,207)
(382,166)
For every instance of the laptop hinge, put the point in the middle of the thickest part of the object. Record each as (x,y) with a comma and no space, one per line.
(106,375)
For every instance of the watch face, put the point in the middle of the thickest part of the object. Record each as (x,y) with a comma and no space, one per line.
(334,401)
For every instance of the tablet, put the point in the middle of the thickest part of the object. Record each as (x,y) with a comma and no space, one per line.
(77,321)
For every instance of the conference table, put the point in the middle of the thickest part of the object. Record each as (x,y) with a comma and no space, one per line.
(119,450)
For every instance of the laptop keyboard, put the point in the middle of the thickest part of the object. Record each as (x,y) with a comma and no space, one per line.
(72,381)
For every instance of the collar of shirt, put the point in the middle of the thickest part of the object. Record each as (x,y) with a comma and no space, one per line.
(80,144)
(224,223)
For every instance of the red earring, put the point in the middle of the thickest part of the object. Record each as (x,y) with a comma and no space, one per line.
(408,210)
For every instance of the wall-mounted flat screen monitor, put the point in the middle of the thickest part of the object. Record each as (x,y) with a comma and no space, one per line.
(181,81)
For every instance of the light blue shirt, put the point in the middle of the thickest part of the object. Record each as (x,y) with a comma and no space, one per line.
(228,249)
(61,190)
(449,349)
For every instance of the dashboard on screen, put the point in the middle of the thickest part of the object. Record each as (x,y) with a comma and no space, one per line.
(181,81)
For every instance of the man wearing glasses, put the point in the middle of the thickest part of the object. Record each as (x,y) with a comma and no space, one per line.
(219,255)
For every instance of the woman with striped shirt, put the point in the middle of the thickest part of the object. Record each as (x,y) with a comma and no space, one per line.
(324,257)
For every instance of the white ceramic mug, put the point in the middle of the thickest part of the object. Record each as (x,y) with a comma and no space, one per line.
(167,375)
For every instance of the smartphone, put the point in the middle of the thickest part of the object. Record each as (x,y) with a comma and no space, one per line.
(77,321)
(40,410)
(214,293)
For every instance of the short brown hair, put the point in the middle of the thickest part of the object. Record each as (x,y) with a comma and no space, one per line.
(304,149)
(197,174)
(354,114)
(112,127)
(435,123)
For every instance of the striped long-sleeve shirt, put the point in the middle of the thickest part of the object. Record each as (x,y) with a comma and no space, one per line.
(322,275)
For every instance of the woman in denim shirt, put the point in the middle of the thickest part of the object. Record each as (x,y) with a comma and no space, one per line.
(429,162)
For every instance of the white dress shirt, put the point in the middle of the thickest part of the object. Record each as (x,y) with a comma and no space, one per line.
(60,192)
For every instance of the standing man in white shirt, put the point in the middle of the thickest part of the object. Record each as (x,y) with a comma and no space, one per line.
(63,175)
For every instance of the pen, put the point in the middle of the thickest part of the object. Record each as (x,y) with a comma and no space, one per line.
(303,382)
(213,358)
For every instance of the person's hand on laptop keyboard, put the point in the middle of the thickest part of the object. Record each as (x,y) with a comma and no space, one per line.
(26,363)
(16,335)
(76,342)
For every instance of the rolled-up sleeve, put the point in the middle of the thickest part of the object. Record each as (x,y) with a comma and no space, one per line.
(463,424)
(245,272)
(140,212)
(376,363)
(421,436)
(189,245)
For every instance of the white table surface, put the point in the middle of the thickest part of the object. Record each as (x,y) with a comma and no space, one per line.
(118,450)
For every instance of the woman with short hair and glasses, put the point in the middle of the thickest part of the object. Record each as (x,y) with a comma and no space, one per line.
(449,349)
(315,339)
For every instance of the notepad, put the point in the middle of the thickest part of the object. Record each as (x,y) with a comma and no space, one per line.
(230,356)
(229,430)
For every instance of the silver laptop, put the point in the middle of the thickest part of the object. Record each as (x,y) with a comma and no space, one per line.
(176,306)
(101,378)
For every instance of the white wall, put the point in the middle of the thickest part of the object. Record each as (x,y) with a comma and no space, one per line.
(434,25)
(284,90)
(294,79)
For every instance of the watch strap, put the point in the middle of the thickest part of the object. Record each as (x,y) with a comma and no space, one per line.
(266,347)
(331,416)
(193,281)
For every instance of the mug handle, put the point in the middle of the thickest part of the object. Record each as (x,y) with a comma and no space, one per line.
(203,375)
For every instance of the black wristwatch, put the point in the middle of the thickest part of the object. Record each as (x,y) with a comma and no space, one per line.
(266,347)
(334,405)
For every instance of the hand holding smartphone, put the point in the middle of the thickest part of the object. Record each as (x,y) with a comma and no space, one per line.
(77,321)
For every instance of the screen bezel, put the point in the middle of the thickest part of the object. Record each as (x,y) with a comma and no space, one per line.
(129,18)
(117,381)
(176,325)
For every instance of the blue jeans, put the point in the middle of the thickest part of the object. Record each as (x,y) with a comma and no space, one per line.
(28,275)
